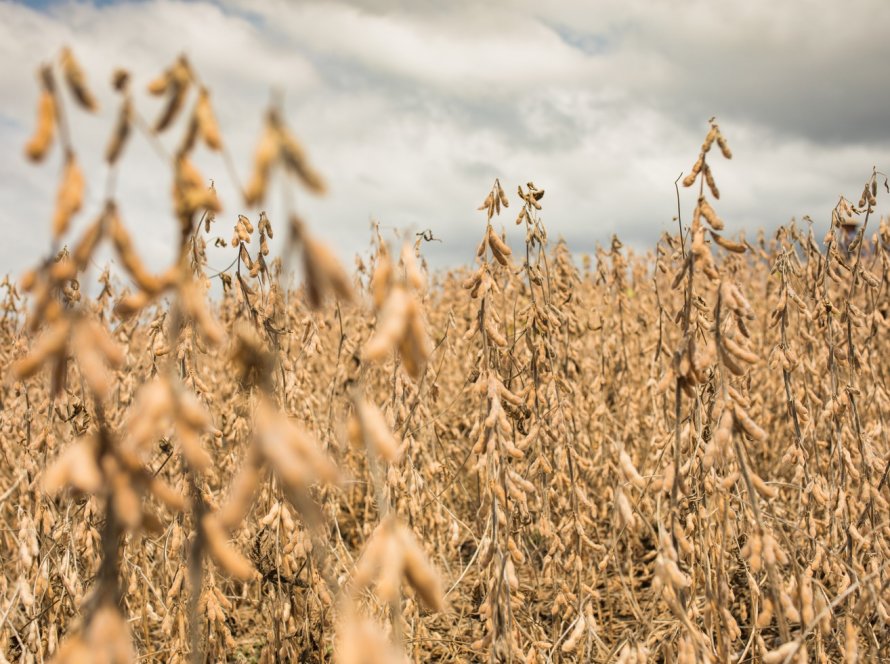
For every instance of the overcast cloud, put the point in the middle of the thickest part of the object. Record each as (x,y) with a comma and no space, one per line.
(411,109)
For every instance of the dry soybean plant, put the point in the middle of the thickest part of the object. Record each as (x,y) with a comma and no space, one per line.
(675,456)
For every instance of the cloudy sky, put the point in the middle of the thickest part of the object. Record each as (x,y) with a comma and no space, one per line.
(412,108)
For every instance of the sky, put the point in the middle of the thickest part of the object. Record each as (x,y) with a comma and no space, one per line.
(411,109)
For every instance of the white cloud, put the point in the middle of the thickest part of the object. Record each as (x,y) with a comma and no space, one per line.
(471,50)
(411,109)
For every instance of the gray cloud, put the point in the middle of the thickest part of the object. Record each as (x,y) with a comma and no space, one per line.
(411,109)
(804,68)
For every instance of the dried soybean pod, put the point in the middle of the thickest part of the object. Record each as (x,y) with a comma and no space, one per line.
(40,143)
(76,81)
(207,125)
(176,83)
(295,159)
(724,146)
(709,214)
(230,560)
(121,133)
(70,196)
(501,195)
(709,179)
(709,139)
(690,179)
(729,245)
(266,153)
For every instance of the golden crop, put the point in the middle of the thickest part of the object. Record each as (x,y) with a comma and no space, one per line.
(680,456)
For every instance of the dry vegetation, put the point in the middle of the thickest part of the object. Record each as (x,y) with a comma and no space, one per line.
(677,457)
